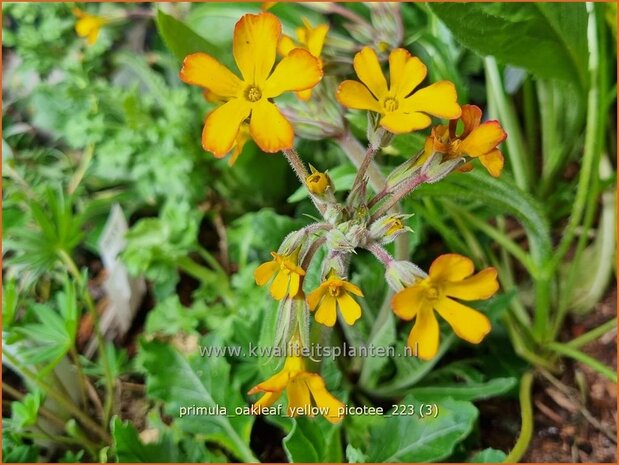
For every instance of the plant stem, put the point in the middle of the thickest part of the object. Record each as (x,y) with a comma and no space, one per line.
(401,192)
(596,112)
(63,401)
(526,412)
(380,253)
(357,154)
(572,352)
(90,306)
(365,164)
(307,258)
(592,335)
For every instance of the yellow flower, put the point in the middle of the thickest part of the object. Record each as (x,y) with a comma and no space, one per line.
(254,48)
(477,140)
(449,277)
(287,275)
(302,387)
(333,293)
(317,182)
(402,109)
(311,39)
(88,26)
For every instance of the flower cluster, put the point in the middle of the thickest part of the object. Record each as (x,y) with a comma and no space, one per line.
(396,105)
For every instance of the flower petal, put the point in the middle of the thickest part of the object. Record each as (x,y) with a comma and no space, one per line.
(405,72)
(268,399)
(468,324)
(279,288)
(285,45)
(483,139)
(276,383)
(254,46)
(205,71)
(493,162)
(451,267)
(315,37)
(298,395)
(269,129)
(265,272)
(482,285)
(314,297)
(399,123)
(298,70)
(349,308)
(408,303)
(471,118)
(222,126)
(350,287)
(438,99)
(323,399)
(326,313)
(423,339)
(295,284)
(368,69)
(353,94)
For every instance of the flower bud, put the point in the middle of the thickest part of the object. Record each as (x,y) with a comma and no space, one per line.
(406,170)
(338,240)
(386,228)
(401,274)
(317,182)
(435,169)
(292,318)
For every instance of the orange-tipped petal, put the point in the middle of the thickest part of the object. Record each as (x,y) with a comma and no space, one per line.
(483,139)
(493,162)
(451,267)
(298,70)
(254,46)
(353,94)
(205,71)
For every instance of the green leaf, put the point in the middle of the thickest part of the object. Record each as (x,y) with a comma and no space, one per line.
(196,381)
(547,39)
(170,317)
(129,448)
(313,440)
(488,455)
(503,197)
(24,413)
(180,39)
(409,438)
(468,391)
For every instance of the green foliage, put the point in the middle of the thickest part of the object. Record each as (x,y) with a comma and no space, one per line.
(198,381)
(408,438)
(557,32)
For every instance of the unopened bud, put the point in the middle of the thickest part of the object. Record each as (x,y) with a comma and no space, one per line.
(386,228)
(406,170)
(317,183)
(435,169)
(401,274)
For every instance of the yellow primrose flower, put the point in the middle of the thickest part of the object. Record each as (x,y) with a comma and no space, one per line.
(254,48)
(317,182)
(333,293)
(402,108)
(477,140)
(287,275)
(449,277)
(88,26)
(302,387)
(311,39)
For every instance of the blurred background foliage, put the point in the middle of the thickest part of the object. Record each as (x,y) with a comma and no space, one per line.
(88,127)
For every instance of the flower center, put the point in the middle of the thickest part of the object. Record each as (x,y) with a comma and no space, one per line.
(390,104)
(253,94)
(334,291)
(431,293)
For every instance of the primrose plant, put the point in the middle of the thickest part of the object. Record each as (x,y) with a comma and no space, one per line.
(362,220)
